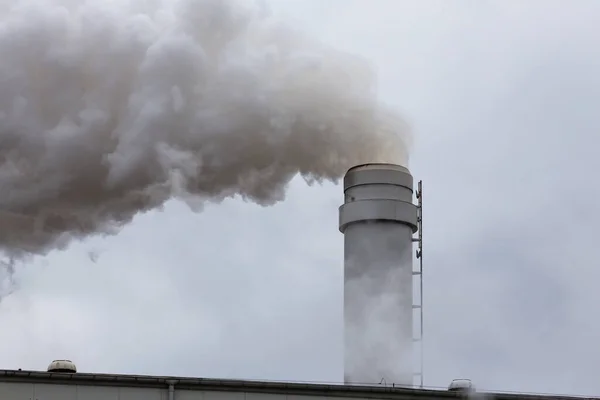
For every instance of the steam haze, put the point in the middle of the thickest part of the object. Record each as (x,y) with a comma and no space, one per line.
(108,109)
(503,97)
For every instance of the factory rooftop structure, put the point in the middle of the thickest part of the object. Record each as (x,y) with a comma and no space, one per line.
(49,385)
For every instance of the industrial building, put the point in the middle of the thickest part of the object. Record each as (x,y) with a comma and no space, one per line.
(34,385)
(378,220)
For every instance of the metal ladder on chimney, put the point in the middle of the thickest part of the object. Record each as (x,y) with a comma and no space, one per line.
(419,273)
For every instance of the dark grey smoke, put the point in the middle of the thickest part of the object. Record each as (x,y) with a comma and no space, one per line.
(108,109)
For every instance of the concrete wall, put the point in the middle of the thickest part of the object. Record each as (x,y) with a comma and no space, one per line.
(41,385)
(32,390)
(40,391)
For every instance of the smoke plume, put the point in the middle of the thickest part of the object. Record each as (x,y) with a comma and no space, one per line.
(110,108)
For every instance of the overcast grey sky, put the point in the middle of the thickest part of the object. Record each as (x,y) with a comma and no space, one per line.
(504,99)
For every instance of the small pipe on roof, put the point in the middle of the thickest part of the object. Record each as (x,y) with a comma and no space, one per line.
(171,389)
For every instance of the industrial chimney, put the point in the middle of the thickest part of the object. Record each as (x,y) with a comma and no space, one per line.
(378,219)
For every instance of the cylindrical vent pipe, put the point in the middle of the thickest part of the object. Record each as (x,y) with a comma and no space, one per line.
(378,219)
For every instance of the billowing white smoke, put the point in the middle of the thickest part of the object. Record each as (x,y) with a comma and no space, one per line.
(109,108)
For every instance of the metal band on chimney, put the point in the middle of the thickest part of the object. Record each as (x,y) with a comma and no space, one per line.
(378,192)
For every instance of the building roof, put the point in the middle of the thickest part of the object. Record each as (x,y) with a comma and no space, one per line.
(265,387)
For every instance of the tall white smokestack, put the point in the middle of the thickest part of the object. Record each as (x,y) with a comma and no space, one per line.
(378,220)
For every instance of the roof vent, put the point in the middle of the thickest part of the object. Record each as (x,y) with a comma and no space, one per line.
(66,366)
(461,385)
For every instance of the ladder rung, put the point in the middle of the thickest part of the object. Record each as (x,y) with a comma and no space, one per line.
(416,306)
(416,373)
(416,272)
(416,339)
(416,239)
